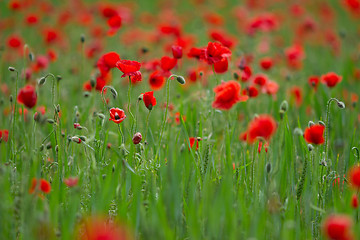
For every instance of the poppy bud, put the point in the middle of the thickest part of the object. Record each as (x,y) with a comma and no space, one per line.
(31,57)
(42,81)
(144,50)
(298,131)
(58,77)
(48,145)
(83,138)
(86,94)
(92,82)
(41,148)
(51,121)
(12,69)
(311,123)
(11,98)
(82,38)
(310,147)
(101,116)
(114,92)
(57,148)
(284,106)
(341,105)
(322,123)
(236,76)
(281,112)
(137,138)
(36,117)
(76,139)
(58,108)
(181,79)
(268,167)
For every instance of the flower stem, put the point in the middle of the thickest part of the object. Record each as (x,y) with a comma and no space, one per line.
(129,110)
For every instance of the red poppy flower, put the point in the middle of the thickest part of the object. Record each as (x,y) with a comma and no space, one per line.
(215,52)
(227,94)
(297,93)
(246,73)
(314,81)
(192,141)
(266,63)
(315,134)
(14,41)
(260,79)
(251,91)
(31,19)
(41,185)
(331,79)
(27,96)
(177,51)
(221,66)
(354,201)
(263,126)
(195,53)
(4,135)
(128,67)
(149,100)
(117,115)
(50,35)
(114,23)
(222,38)
(294,55)
(167,63)
(156,80)
(271,87)
(71,181)
(107,61)
(337,227)
(354,176)
(96,228)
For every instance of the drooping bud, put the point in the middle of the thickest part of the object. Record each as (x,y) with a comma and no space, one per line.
(268,167)
(298,131)
(42,81)
(12,69)
(58,108)
(51,121)
(181,79)
(236,76)
(82,38)
(322,123)
(341,105)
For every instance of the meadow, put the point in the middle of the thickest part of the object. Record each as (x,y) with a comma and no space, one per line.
(192,119)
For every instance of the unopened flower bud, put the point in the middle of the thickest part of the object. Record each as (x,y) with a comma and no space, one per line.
(298,131)
(341,105)
(83,138)
(322,123)
(236,76)
(36,117)
(58,108)
(58,77)
(82,38)
(137,138)
(76,139)
(86,94)
(12,69)
(51,121)
(268,167)
(31,56)
(284,106)
(181,79)
(11,98)
(310,147)
(42,81)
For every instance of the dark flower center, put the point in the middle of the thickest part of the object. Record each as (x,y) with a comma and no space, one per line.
(117,117)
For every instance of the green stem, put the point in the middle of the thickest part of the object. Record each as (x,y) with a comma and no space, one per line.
(14,117)
(129,110)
